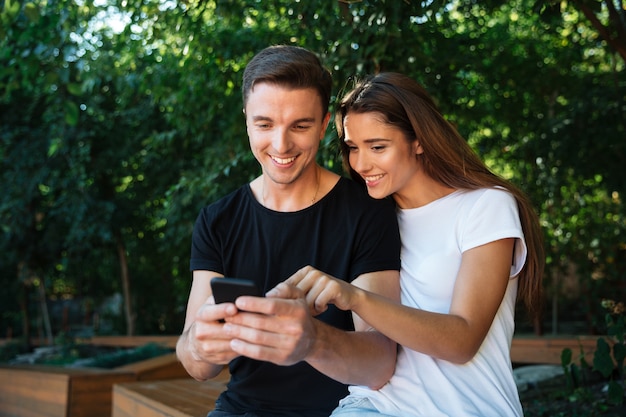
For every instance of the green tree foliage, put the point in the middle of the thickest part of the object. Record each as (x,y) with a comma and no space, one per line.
(120,119)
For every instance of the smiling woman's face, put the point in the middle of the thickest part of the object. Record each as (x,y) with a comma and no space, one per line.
(380,153)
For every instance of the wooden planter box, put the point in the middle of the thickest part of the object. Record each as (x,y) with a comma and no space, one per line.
(548,349)
(49,391)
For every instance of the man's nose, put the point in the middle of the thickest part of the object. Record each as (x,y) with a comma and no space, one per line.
(280,140)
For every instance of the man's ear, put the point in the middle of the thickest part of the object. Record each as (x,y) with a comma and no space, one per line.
(325,125)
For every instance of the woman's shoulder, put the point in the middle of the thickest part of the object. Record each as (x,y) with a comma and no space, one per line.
(487,195)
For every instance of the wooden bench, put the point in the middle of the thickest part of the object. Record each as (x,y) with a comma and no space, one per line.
(51,391)
(174,398)
(189,398)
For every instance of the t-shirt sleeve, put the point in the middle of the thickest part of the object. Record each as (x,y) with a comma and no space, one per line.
(379,240)
(205,254)
(495,216)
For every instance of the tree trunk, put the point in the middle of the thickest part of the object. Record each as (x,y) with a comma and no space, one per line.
(27,278)
(44,312)
(26,330)
(128,309)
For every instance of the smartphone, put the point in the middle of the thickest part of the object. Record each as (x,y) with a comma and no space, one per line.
(226,290)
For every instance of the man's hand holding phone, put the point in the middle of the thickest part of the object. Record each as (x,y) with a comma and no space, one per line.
(209,338)
(276,330)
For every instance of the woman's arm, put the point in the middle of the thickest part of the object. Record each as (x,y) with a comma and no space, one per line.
(456,337)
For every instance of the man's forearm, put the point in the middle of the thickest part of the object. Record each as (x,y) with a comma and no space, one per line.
(358,358)
(196,367)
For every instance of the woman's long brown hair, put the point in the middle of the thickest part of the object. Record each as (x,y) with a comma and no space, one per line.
(446,157)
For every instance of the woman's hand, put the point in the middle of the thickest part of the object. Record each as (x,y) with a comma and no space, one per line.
(319,288)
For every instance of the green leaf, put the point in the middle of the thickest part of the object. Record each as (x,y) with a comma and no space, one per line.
(602,361)
(576,376)
(566,357)
(9,12)
(583,362)
(75,89)
(71,113)
(12,8)
(55,144)
(616,393)
(619,352)
(32,12)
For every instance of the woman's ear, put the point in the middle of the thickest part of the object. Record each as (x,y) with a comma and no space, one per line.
(417,147)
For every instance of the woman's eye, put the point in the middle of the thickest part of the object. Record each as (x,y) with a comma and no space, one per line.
(378,148)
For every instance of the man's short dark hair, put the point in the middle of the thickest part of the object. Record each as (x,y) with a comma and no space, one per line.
(289,66)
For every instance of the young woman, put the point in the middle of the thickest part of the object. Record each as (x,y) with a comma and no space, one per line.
(471,246)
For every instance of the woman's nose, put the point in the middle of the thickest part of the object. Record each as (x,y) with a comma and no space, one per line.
(359,162)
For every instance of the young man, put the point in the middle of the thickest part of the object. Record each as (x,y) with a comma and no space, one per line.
(282,360)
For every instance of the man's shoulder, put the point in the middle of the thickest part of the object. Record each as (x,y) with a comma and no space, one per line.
(230,203)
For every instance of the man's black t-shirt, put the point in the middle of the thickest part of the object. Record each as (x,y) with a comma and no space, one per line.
(345,234)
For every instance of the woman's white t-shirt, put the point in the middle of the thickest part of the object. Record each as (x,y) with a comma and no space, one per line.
(434,238)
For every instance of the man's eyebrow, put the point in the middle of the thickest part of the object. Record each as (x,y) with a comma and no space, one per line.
(261,118)
(269,119)
(305,120)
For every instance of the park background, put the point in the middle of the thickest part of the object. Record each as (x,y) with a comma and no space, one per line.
(120,119)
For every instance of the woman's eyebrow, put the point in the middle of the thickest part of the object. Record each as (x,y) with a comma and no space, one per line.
(377,140)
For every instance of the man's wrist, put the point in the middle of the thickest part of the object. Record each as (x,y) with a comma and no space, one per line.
(321,344)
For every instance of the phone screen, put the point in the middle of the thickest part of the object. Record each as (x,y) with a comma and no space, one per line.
(226,290)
